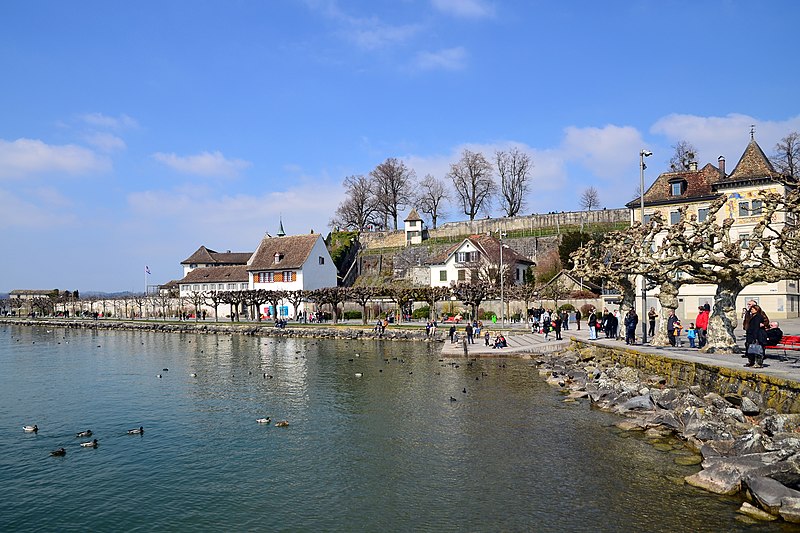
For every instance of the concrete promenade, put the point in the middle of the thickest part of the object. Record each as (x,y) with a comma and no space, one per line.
(521,342)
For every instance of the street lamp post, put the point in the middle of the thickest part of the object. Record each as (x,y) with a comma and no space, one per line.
(502,282)
(642,154)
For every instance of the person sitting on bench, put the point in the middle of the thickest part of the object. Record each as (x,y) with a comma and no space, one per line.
(774,334)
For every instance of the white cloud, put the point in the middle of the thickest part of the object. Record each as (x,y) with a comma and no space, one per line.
(308,205)
(371,34)
(727,136)
(26,157)
(465,8)
(100,120)
(42,213)
(106,142)
(209,164)
(447,59)
(607,152)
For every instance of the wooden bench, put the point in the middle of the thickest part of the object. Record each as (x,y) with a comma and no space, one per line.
(788,343)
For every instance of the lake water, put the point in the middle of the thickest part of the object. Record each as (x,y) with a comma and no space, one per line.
(387,451)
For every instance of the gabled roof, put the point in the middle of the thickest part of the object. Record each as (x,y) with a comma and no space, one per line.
(413,215)
(576,282)
(753,165)
(490,251)
(699,185)
(220,274)
(208,256)
(294,251)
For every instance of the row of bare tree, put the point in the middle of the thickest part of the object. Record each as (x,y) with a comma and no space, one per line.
(378,198)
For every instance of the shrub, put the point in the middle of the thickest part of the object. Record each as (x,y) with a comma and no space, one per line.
(486,315)
(566,307)
(421,312)
(352,315)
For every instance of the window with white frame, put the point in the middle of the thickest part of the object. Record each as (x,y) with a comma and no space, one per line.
(702,214)
(443,275)
(755,208)
(744,209)
(674,217)
(462,275)
(243,286)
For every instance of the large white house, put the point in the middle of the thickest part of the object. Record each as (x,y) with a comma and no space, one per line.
(282,263)
(477,256)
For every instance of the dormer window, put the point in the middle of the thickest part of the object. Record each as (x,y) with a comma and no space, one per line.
(677,188)
(278,257)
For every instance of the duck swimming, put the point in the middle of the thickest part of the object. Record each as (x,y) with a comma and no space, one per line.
(59,452)
(87,433)
(136,431)
(263,420)
(90,444)
(30,429)
(282,424)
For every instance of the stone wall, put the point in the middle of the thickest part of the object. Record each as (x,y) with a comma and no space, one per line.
(780,394)
(530,223)
(263,330)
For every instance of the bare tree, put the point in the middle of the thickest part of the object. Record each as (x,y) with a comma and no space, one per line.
(295,298)
(683,156)
(787,155)
(514,168)
(361,296)
(431,195)
(392,185)
(473,293)
(214,299)
(590,199)
(473,182)
(359,208)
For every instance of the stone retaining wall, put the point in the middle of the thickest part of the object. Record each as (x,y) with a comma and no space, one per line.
(780,394)
(263,330)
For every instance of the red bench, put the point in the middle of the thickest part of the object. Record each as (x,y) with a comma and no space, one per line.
(788,343)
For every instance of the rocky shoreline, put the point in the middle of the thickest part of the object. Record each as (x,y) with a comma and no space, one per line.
(742,447)
(265,329)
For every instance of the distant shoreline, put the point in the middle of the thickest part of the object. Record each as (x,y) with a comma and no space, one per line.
(265,329)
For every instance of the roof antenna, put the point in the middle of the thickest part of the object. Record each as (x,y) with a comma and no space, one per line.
(752,131)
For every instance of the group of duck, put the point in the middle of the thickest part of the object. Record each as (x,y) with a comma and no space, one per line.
(267,420)
(60,452)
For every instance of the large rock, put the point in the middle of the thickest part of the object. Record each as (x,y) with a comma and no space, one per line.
(720,478)
(780,423)
(637,403)
(749,407)
(790,509)
(756,513)
(768,493)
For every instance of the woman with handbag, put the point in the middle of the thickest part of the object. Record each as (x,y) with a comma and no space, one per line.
(756,337)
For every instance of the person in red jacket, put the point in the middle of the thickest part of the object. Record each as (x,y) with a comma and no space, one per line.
(701,324)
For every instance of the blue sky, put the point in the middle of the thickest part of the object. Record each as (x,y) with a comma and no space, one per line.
(134,132)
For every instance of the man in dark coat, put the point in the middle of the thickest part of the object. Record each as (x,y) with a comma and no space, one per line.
(578,318)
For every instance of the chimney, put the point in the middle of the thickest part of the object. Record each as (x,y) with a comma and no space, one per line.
(693,166)
(721,161)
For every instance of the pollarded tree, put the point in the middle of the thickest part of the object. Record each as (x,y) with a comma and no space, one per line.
(392,184)
(362,296)
(402,296)
(295,298)
(359,208)
(431,196)
(473,294)
(431,295)
(514,168)
(473,182)
(214,299)
(195,298)
(332,296)
(275,298)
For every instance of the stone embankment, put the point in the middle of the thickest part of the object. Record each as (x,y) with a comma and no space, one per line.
(742,446)
(263,330)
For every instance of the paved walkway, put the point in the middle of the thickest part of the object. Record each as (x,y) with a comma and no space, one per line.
(521,341)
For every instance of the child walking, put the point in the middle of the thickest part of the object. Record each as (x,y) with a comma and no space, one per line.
(691,334)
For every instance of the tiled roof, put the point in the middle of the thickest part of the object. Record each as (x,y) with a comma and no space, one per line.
(490,250)
(294,251)
(413,215)
(31,292)
(753,165)
(699,184)
(206,256)
(221,274)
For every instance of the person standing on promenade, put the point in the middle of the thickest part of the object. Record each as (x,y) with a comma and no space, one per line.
(469,331)
(756,337)
(557,325)
(631,320)
(578,318)
(651,318)
(701,325)
(672,322)
(592,325)
(452,334)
